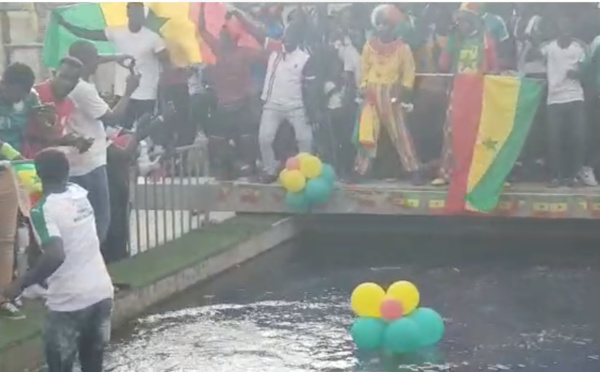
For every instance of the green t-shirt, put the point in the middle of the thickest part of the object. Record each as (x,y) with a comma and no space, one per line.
(13,119)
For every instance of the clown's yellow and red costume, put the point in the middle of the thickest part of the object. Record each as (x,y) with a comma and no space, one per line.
(388,71)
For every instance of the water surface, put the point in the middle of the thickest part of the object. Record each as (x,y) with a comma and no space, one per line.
(510,304)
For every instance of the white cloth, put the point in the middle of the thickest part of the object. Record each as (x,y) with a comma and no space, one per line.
(282,89)
(84,121)
(143,46)
(349,56)
(82,280)
(335,100)
(558,61)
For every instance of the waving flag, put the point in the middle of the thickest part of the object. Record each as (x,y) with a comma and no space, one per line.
(29,183)
(490,118)
(175,22)
(172,21)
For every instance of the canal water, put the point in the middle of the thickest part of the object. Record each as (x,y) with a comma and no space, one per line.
(509,304)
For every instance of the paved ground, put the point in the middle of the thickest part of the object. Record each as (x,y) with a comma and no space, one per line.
(509,304)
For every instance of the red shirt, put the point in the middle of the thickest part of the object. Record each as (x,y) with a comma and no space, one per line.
(232,72)
(36,137)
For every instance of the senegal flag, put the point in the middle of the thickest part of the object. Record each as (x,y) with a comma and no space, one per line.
(490,118)
(174,22)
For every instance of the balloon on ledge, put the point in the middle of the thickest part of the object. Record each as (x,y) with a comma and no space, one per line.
(308,182)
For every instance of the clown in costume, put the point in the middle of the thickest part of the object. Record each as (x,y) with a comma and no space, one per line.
(387,78)
(469,50)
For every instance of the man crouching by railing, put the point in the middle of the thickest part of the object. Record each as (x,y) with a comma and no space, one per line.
(80,291)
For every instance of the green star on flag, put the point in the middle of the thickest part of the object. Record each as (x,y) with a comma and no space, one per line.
(490,144)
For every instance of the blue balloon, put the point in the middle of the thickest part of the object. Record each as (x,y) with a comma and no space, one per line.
(401,336)
(431,325)
(297,201)
(318,190)
(328,173)
(367,333)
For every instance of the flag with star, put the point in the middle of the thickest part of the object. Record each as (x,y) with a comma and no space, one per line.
(174,22)
(490,117)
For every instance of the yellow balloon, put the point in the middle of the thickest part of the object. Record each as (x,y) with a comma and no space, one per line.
(302,155)
(366,299)
(292,180)
(282,177)
(310,166)
(407,293)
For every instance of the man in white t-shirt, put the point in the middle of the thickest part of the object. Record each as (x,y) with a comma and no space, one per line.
(79,299)
(566,116)
(90,114)
(145,46)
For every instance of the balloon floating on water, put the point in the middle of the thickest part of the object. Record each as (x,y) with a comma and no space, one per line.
(307,180)
(391,308)
(391,320)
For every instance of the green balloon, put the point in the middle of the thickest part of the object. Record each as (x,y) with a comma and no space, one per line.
(318,190)
(401,336)
(328,173)
(367,332)
(297,201)
(431,325)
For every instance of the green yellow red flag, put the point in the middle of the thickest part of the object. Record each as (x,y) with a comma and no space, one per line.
(490,117)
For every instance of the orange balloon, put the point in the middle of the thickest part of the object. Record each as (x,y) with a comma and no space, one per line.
(292,163)
(390,308)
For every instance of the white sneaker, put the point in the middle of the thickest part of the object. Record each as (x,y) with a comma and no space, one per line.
(9,311)
(587,177)
(35,292)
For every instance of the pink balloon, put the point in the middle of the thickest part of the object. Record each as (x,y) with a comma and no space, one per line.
(390,309)
(292,163)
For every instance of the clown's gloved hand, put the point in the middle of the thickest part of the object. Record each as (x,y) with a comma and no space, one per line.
(408,107)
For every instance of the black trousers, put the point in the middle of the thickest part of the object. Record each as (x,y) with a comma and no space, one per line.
(238,124)
(135,110)
(115,247)
(334,140)
(566,134)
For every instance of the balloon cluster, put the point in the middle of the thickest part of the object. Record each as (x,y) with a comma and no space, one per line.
(307,180)
(392,320)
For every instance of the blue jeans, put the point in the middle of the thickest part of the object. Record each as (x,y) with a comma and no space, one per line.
(96,184)
(85,332)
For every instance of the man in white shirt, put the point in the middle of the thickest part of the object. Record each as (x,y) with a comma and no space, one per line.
(566,116)
(288,89)
(90,114)
(149,53)
(79,299)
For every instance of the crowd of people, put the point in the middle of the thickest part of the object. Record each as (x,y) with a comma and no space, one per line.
(367,89)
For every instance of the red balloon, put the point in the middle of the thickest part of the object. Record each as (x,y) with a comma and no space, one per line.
(292,163)
(390,309)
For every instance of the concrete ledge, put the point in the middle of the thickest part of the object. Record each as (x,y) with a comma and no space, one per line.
(520,200)
(170,269)
(137,301)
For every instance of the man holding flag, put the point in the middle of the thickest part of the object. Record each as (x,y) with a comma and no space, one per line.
(469,50)
(147,49)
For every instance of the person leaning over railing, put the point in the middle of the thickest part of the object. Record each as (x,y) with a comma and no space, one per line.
(18,104)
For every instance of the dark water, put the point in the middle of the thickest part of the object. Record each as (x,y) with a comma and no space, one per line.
(509,304)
